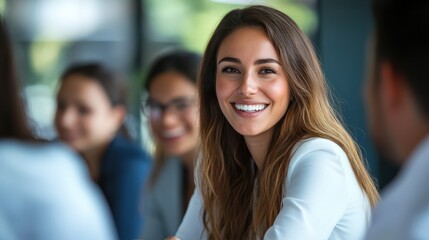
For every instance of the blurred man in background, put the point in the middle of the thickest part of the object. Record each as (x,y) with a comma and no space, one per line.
(398,109)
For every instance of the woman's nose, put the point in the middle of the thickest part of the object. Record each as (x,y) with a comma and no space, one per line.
(248,85)
(66,118)
(169,117)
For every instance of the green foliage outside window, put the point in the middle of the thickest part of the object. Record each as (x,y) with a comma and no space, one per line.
(191,22)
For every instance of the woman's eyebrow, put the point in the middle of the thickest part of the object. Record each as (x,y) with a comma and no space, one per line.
(229,59)
(257,62)
(266,60)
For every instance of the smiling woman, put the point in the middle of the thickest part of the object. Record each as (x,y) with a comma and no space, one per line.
(173,117)
(276,161)
(90,113)
(251,87)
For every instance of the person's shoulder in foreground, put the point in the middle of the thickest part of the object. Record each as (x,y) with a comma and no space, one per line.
(47,194)
(403,212)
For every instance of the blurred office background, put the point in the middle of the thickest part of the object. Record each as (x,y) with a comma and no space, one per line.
(128,34)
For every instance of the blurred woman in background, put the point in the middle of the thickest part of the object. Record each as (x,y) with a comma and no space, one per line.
(173,117)
(45,189)
(90,112)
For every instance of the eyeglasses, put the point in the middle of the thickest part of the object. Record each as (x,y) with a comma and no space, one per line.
(155,110)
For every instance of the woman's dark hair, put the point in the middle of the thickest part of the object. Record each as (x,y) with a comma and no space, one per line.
(111,82)
(181,61)
(13,119)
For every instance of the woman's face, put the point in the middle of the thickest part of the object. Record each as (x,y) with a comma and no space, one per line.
(85,118)
(251,85)
(173,114)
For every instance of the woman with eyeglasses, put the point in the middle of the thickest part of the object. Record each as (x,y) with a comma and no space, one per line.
(173,118)
(89,118)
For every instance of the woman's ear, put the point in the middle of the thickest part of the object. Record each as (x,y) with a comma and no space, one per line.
(119,113)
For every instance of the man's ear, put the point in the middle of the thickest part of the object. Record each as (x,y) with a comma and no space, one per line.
(392,87)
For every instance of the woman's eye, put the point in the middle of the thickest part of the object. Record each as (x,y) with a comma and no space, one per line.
(61,107)
(83,110)
(267,71)
(182,105)
(230,70)
(153,106)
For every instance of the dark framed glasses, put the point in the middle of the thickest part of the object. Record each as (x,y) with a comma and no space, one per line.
(154,109)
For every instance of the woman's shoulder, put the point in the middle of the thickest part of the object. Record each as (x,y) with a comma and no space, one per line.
(126,150)
(316,150)
(126,159)
(308,145)
(167,191)
(169,176)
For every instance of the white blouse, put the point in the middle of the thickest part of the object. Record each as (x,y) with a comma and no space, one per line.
(323,199)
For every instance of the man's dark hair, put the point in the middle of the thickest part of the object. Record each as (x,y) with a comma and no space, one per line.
(402,38)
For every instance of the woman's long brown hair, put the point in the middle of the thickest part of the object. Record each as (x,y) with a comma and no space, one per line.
(227,174)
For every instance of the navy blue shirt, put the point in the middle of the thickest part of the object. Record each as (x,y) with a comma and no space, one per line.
(124,170)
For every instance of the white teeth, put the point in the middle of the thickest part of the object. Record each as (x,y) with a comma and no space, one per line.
(173,133)
(250,108)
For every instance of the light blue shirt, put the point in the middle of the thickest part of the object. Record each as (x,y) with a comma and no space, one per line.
(46,193)
(403,212)
(322,200)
